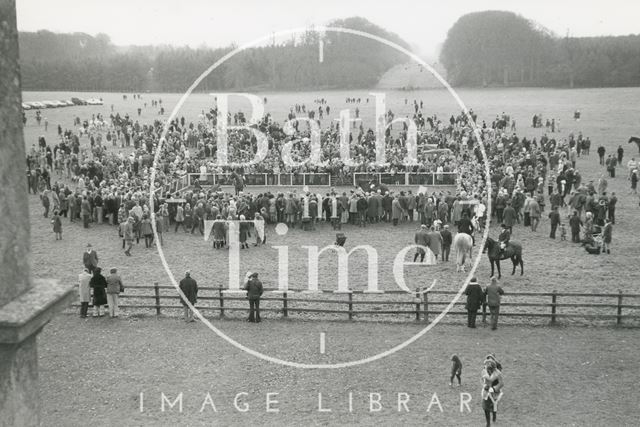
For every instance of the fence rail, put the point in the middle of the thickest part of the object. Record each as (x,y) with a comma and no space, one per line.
(419,306)
(263,179)
(407,178)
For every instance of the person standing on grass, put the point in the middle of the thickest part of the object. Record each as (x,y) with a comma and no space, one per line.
(84,292)
(127,234)
(554,218)
(85,211)
(606,235)
(99,285)
(57,225)
(421,238)
(159,228)
(475,296)
(147,231)
(189,288)
(456,370)
(179,218)
(494,294)
(90,258)
(254,292)
(114,287)
(534,213)
(447,240)
(575,223)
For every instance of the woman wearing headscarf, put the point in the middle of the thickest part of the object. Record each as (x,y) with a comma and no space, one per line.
(99,285)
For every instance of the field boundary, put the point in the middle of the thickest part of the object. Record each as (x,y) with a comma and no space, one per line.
(419,307)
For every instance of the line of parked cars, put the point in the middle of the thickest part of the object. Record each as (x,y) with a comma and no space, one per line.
(36,105)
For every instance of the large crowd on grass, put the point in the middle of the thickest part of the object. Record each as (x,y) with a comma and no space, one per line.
(100,183)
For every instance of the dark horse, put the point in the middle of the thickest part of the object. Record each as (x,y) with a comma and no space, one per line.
(513,251)
(636,140)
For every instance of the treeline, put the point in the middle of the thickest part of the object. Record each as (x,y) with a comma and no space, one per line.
(84,63)
(496,48)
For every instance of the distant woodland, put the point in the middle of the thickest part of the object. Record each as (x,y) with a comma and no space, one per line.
(491,48)
(495,48)
(81,62)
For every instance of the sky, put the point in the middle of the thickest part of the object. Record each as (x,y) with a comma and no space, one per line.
(422,23)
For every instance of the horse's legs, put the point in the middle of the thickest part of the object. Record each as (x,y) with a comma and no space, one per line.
(521,265)
(498,266)
(492,266)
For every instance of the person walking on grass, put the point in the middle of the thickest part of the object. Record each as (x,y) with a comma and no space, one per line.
(114,287)
(254,292)
(189,288)
(99,285)
(494,294)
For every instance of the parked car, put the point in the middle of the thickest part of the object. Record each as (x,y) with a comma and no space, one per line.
(78,101)
(94,101)
(26,106)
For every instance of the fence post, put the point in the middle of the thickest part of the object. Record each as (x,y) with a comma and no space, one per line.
(350,306)
(285,311)
(418,304)
(619,318)
(221,298)
(156,290)
(554,300)
(426,306)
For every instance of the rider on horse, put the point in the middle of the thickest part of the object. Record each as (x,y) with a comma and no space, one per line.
(504,236)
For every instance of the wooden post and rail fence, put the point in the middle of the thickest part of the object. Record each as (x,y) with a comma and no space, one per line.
(422,306)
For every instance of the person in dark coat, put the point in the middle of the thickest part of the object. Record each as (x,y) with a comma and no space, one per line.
(447,239)
(575,223)
(90,259)
(606,236)
(456,370)
(554,218)
(189,288)
(421,238)
(509,216)
(475,296)
(254,292)
(99,285)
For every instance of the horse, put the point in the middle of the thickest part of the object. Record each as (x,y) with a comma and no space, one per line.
(462,243)
(512,251)
(636,140)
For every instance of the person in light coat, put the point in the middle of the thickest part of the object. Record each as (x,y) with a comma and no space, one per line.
(84,292)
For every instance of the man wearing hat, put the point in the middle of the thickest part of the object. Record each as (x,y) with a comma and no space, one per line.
(475,297)
(254,292)
(90,259)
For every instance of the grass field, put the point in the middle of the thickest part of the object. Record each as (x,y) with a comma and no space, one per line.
(94,371)
(576,374)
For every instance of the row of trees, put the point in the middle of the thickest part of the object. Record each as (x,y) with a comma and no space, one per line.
(502,48)
(80,62)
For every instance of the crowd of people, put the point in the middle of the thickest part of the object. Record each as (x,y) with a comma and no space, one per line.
(101,184)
